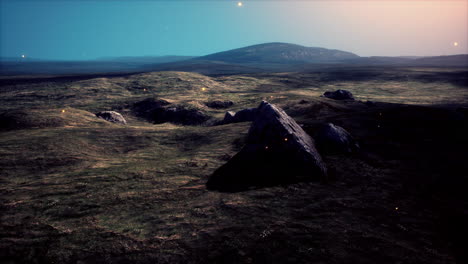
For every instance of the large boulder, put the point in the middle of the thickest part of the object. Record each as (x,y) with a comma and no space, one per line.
(277,151)
(331,138)
(339,95)
(112,116)
(218,104)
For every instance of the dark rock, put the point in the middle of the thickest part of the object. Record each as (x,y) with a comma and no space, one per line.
(339,95)
(244,115)
(463,111)
(112,116)
(179,115)
(277,151)
(229,117)
(331,138)
(303,101)
(161,111)
(147,107)
(370,103)
(217,104)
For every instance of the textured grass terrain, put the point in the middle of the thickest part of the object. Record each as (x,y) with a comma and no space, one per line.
(77,189)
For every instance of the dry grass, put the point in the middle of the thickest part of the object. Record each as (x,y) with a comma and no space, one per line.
(77,188)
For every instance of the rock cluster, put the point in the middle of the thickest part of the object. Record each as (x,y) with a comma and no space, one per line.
(277,151)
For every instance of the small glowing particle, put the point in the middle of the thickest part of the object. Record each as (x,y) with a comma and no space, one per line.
(380,114)
(63,110)
(396,208)
(266,147)
(145,90)
(239,4)
(378,126)
(455,44)
(203,89)
(285,139)
(23,56)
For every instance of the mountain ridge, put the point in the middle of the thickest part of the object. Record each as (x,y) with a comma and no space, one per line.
(278,52)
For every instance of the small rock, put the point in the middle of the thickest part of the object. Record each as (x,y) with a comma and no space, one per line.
(112,116)
(339,95)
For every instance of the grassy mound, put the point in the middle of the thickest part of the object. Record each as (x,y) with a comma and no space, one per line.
(47,118)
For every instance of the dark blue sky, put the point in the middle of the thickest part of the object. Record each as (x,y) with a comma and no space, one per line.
(92,29)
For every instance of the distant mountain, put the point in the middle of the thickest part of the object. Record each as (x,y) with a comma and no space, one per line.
(24,66)
(269,57)
(438,61)
(147,59)
(18,59)
(279,53)
(450,60)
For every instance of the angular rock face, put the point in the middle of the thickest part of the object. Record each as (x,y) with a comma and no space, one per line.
(112,116)
(334,139)
(217,104)
(339,95)
(277,151)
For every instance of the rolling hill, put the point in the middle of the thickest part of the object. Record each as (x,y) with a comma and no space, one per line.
(283,53)
(267,57)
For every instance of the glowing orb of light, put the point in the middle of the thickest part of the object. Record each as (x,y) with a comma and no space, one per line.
(239,4)
(23,56)
(203,89)
(63,110)
(455,44)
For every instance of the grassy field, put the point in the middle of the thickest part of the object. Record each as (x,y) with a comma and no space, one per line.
(77,189)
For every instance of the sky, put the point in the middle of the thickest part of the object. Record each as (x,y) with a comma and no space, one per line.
(86,29)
